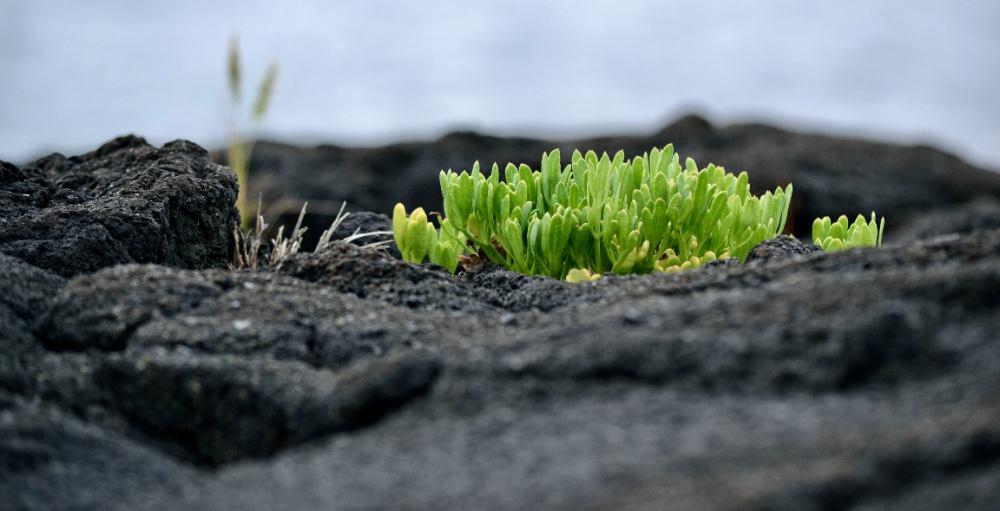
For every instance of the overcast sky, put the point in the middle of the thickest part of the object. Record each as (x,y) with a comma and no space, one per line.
(78,73)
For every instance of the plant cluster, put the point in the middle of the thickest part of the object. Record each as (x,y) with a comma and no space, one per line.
(416,238)
(598,214)
(840,235)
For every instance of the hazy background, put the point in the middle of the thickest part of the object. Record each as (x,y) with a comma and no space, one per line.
(76,73)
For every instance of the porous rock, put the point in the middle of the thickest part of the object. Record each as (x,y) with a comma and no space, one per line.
(224,408)
(780,247)
(51,460)
(27,292)
(976,215)
(125,202)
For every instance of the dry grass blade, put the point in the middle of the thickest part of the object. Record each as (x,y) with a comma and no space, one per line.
(374,244)
(247,250)
(327,236)
(357,235)
(248,243)
(285,248)
(324,239)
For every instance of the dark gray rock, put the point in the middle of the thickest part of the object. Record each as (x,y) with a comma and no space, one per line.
(975,215)
(223,408)
(514,292)
(27,292)
(362,222)
(19,351)
(379,276)
(967,489)
(722,263)
(832,381)
(125,202)
(89,315)
(780,247)
(52,462)
(372,273)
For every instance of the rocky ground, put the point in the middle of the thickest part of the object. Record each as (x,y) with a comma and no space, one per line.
(138,372)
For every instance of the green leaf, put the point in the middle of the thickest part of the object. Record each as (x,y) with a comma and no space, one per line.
(818,231)
(417,233)
(514,243)
(265,92)
(838,231)
(399,234)
(841,235)
(578,275)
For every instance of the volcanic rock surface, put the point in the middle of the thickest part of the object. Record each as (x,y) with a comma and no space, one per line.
(349,379)
(125,202)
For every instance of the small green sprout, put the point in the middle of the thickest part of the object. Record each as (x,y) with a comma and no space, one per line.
(834,236)
(596,214)
(577,275)
(416,238)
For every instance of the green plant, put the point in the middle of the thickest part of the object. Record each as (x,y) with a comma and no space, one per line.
(416,237)
(239,148)
(833,236)
(577,275)
(598,214)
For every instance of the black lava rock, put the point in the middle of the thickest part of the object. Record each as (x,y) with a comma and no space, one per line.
(125,202)
(780,248)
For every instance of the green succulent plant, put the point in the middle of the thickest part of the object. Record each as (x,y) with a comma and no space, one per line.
(598,214)
(577,275)
(840,235)
(416,238)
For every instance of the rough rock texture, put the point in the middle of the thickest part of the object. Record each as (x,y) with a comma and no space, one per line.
(972,216)
(864,379)
(359,222)
(348,379)
(224,408)
(27,292)
(780,247)
(55,462)
(832,175)
(125,202)
(377,275)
